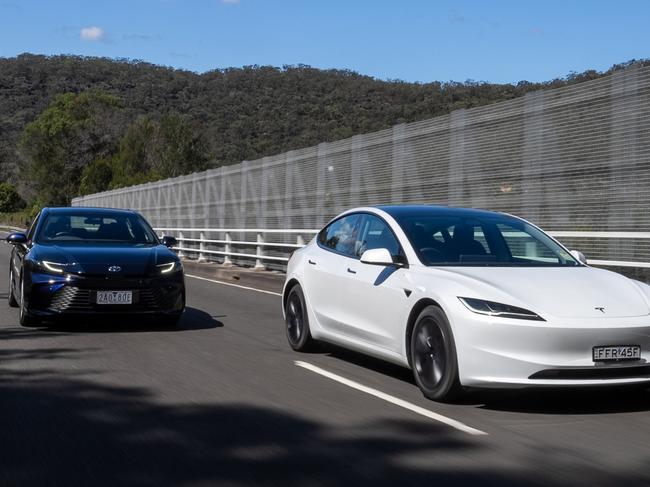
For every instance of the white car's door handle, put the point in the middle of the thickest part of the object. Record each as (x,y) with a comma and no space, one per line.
(351,271)
(311,262)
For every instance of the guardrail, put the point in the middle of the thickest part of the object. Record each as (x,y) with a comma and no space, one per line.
(261,244)
(228,243)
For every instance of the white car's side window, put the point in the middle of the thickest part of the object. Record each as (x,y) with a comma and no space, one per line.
(374,233)
(341,235)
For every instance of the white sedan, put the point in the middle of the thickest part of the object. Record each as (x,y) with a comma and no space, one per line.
(466,298)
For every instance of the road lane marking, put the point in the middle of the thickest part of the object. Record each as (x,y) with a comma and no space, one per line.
(233,285)
(391,399)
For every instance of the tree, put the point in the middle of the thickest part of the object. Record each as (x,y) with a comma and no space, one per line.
(179,149)
(148,151)
(152,150)
(74,130)
(10,200)
(134,161)
(96,176)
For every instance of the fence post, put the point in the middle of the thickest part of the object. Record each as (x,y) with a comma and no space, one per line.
(201,247)
(180,244)
(259,251)
(226,258)
(300,241)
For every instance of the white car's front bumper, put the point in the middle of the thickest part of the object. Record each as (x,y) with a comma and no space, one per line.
(506,352)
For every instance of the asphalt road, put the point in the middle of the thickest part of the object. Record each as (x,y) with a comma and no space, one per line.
(220,401)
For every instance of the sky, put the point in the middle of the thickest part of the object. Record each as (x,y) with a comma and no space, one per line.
(412,40)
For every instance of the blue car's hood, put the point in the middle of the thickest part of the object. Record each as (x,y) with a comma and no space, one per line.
(97,258)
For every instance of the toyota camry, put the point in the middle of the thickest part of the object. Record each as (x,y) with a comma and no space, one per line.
(466,298)
(86,261)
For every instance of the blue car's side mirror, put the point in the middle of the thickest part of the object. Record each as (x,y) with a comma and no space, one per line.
(17,238)
(169,241)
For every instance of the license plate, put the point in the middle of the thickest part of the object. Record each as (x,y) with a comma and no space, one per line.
(114,297)
(617,352)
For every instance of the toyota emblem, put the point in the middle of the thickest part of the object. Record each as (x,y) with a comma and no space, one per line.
(114,268)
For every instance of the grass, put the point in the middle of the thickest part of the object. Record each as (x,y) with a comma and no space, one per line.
(15,219)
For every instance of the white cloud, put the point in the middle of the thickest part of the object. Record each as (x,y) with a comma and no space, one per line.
(92,33)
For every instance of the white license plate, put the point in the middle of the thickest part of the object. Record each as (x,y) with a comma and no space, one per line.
(618,352)
(114,297)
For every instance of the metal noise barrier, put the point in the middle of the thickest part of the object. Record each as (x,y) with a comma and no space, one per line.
(574,160)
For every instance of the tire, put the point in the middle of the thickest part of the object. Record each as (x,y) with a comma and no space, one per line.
(25,318)
(11,295)
(297,321)
(433,356)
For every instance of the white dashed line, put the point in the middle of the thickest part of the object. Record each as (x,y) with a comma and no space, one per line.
(233,285)
(392,399)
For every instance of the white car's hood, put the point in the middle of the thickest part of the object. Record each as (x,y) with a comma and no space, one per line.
(568,292)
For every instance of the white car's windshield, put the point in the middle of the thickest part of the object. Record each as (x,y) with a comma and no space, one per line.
(485,241)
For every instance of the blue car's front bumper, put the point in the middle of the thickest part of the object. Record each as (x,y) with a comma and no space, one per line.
(51,295)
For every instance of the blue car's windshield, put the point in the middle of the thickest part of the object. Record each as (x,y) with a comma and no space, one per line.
(94,227)
(484,241)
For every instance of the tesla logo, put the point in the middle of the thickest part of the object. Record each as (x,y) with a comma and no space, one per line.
(600,308)
(114,268)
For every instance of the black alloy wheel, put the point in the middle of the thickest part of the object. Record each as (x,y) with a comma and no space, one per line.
(433,356)
(297,321)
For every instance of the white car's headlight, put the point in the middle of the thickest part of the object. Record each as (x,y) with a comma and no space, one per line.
(490,308)
(169,267)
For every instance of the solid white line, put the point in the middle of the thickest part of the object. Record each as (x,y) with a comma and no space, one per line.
(233,285)
(392,399)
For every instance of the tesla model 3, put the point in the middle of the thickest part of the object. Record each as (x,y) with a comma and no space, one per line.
(87,261)
(466,298)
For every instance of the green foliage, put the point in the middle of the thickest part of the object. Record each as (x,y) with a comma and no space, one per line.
(179,148)
(96,176)
(67,136)
(148,151)
(10,200)
(134,161)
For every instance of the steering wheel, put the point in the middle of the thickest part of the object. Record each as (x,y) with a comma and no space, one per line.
(64,234)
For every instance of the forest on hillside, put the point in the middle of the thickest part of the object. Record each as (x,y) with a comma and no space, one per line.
(74,125)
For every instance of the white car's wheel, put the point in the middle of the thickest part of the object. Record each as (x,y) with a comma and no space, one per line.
(297,321)
(433,356)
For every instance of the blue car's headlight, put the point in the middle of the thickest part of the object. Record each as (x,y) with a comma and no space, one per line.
(169,267)
(51,267)
(490,308)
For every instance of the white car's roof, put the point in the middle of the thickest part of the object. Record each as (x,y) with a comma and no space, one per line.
(413,210)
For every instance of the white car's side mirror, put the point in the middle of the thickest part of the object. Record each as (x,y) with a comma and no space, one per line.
(580,257)
(377,257)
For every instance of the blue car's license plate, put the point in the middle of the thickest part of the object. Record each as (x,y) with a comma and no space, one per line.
(114,297)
